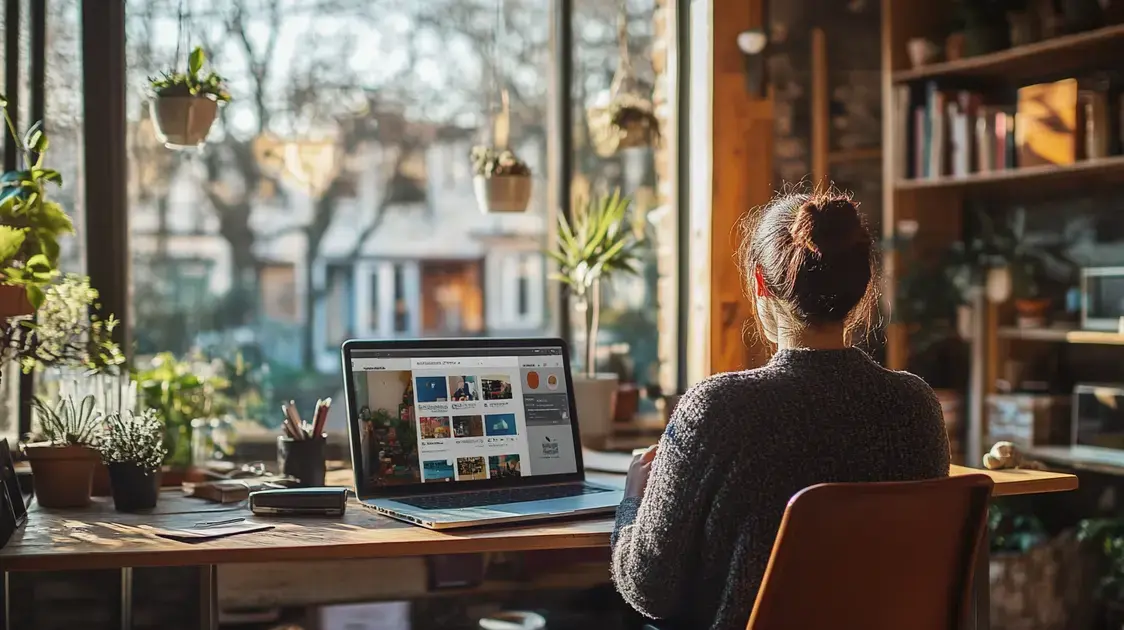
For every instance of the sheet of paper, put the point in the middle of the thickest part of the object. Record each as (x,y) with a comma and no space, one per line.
(210,533)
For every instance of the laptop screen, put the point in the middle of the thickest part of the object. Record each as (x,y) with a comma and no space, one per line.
(437,416)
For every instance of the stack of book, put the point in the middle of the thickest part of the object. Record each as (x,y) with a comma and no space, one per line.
(957,132)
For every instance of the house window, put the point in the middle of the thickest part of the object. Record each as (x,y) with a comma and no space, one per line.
(278,292)
(523,288)
(401,305)
(339,313)
(374,317)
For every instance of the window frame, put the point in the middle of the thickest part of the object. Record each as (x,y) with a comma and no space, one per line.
(106,162)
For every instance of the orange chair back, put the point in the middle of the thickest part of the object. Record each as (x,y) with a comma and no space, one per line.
(876,556)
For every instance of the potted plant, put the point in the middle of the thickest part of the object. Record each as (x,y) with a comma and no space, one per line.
(1107,536)
(181,391)
(62,462)
(983,24)
(629,121)
(185,104)
(502,181)
(133,449)
(594,246)
(31,224)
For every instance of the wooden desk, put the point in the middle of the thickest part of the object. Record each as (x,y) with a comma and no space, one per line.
(99,538)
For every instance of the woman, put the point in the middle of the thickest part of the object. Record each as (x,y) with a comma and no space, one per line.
(701,511)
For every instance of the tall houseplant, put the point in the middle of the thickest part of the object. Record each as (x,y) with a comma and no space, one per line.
(185,104)
(594,246)
(180,391)
(62,461)
(31,223)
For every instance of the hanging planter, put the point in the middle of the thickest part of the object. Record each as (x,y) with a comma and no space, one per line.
(502,181)
(185,104)
(628,120)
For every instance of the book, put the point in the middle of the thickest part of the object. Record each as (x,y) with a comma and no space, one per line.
(1046,123)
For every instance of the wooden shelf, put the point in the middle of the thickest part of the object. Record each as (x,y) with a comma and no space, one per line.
(1028,180)
(1080,51)
(1063,336)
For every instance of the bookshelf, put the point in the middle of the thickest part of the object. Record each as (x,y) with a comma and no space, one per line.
(930,187)
(1062,336)
(1102,46)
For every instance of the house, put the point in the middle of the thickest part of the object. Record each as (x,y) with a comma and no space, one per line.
(428,264)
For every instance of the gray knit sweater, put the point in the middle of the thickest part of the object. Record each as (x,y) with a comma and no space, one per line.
(739,446)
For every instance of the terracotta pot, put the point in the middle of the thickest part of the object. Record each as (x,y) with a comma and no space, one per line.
(63,476)
(502,193)
(14,302)
(628,402)
(183,121)
(102,485)
(1031,313)
(134,488)
(595,399)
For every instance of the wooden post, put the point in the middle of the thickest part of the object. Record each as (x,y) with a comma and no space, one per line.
(734,166)
(821,109)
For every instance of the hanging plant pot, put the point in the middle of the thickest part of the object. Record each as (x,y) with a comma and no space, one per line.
(183,122)
(622,126)
(14,302)
(502,193)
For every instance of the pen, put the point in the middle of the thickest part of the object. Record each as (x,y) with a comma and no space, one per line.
(228,521)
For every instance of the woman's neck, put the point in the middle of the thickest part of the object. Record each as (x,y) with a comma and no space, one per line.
(827,337)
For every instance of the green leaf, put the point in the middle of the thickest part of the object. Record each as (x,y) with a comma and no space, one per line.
(34,136)
(11,239)
(195,61)
(35,295)
(3,101)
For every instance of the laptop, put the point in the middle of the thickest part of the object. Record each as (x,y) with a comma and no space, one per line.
(450,433)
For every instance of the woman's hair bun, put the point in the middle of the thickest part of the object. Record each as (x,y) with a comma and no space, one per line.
(829,223)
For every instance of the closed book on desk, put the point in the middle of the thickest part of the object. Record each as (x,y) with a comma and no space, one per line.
(229,490)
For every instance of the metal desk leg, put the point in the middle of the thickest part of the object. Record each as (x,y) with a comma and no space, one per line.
(209,597)
(127,598)
(7,601)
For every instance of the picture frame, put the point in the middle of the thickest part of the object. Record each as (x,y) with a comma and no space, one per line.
(13,509)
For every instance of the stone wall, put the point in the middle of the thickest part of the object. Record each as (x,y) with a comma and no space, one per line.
(667,297)
(852,31)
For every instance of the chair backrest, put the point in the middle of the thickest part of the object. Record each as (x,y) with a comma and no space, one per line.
(877,556)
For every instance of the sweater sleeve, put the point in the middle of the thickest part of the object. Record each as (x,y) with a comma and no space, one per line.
(655,544)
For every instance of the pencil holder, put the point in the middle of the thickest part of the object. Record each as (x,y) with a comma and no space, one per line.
(302,459)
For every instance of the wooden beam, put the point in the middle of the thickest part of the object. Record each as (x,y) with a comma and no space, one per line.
(742,178)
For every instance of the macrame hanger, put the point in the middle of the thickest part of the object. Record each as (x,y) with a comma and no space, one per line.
(502,127)
(623,77)
(180,32)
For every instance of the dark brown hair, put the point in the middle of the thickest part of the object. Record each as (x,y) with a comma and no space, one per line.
(816,256)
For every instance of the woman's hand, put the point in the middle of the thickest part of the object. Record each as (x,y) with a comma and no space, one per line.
(638,473)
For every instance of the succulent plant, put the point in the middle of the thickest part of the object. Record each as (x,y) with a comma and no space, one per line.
(69,423)
(193,82)
(489,162)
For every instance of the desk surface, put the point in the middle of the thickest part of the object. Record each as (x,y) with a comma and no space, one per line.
(99,538)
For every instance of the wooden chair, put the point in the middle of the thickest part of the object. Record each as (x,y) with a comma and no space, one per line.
(876,556)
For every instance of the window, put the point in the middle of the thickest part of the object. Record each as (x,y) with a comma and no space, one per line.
(639,314)
(374,314)
(334,195)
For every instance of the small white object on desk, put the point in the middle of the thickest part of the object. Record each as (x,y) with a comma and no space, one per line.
(209,533)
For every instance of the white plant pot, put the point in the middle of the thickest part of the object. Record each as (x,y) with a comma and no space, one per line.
(921,51)
(502,193)
(595,398)
(183,121)
(964,321)
(998,285)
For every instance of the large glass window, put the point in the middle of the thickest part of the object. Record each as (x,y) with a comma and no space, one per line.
(620,58)
(334,196)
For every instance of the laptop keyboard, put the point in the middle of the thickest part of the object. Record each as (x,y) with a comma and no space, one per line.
(499,496)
